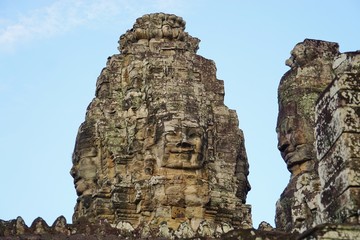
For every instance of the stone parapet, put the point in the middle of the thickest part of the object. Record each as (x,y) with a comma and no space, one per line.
(101,230)
(332,232)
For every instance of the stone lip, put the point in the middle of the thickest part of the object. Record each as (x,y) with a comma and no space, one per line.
(157,27)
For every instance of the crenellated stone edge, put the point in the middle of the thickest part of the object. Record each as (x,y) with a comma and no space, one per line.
(60,229)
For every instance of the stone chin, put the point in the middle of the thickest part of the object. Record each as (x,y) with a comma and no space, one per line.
(180,146)
(82,187)
(301,154)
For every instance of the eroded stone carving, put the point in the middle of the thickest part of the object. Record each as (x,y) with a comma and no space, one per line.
(310,73)
(158,145)
(319,99)
(160,156)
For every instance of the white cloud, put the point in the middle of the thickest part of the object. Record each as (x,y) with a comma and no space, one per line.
(65,15)
(57,18)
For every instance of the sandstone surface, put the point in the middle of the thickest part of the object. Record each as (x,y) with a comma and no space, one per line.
(159,155)
(158,146)
(311,72)
(318,131)
(338,142)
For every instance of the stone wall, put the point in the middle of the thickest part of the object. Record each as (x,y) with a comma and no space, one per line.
(332,232)
(83,229)
(338,142)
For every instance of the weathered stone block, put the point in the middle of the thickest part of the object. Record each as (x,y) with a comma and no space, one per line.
(341,114)
(343,154)
(178,212)
(338,142)
(332,232)
(342,208)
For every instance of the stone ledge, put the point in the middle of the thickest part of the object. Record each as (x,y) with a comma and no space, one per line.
(332,232)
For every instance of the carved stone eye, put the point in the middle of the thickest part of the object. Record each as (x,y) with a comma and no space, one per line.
(172,136)
(172,133)
(194,135)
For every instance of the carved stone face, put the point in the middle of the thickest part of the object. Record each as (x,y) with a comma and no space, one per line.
(84,176)
(297,56)
(305,52)
(158,115)
(295,136)
(298,91)
(180,144)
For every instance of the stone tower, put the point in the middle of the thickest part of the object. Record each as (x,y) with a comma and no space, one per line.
(158,147)
(311,72)
(160,156)
(319,139)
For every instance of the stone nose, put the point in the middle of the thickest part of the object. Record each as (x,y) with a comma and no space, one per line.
(73,172)
(283,143)
(283,147)
(184,143)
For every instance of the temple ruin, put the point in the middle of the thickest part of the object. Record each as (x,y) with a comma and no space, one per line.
(159,155)
(158,144)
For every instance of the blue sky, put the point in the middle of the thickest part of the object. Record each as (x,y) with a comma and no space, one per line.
(51,53)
